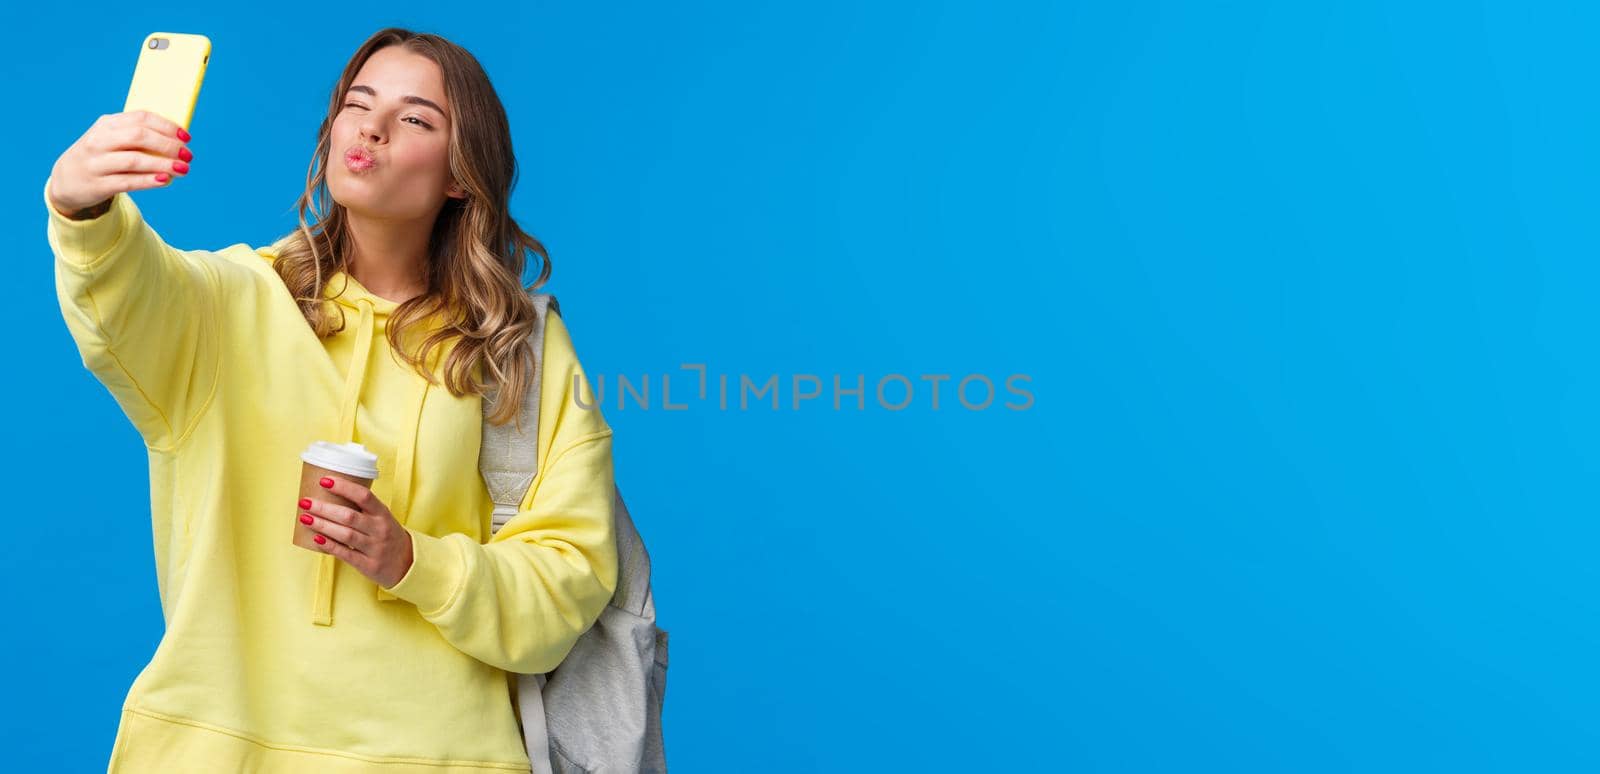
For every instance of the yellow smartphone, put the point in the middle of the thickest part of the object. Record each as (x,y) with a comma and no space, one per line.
(166,79)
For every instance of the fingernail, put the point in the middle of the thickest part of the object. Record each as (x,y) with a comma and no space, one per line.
(305,502)
(320,540)
(183,153)
(161,177)
(178,166)
(182,135)
(327,483)
(305,518)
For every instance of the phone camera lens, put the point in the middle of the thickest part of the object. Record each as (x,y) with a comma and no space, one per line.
(154,43)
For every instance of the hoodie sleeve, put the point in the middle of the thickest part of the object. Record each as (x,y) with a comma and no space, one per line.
(142,314)
(520,601)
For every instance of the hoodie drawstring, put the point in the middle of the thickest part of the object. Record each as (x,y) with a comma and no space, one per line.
(327,564)
(357,373)
(399,501)
(400,498)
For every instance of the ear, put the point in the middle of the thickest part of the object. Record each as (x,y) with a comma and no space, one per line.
(455,191)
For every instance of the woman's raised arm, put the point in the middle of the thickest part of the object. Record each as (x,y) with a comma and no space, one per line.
(143,314)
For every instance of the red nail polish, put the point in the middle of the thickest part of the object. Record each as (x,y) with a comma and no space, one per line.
(182,135)
(305,518)
(327,483)
(185,154)
(320,540)
(162,177)
(178,166)
(305,502)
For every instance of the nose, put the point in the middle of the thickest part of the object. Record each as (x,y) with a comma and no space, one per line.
(370,133)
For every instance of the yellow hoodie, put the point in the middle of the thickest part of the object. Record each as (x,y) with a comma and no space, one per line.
(280,659)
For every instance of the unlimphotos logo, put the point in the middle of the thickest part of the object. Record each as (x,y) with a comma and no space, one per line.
(894,392)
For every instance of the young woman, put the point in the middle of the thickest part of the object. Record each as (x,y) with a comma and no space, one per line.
(389,647)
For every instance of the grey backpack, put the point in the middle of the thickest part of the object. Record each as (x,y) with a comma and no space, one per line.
(599,711)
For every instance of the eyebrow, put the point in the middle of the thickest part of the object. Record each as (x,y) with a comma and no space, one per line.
(409,98)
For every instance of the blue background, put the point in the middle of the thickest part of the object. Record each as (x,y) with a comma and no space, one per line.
(1305,292)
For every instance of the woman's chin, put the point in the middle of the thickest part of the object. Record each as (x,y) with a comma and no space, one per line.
(355,195)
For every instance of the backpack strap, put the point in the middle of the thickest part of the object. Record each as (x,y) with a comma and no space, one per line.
(509,461)
(600,710)
(507,458)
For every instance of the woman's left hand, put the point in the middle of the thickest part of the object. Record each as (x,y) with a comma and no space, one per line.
(366,537)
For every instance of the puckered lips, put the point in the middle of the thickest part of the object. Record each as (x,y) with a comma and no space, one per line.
(359,159)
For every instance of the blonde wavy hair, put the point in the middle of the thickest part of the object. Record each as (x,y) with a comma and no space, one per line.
(475,253)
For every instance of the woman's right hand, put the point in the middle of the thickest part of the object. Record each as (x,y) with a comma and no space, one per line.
(115,156)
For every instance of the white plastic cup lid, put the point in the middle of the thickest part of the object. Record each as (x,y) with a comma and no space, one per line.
(351,459)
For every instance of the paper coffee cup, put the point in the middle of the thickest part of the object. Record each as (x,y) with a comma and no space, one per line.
(349,461)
